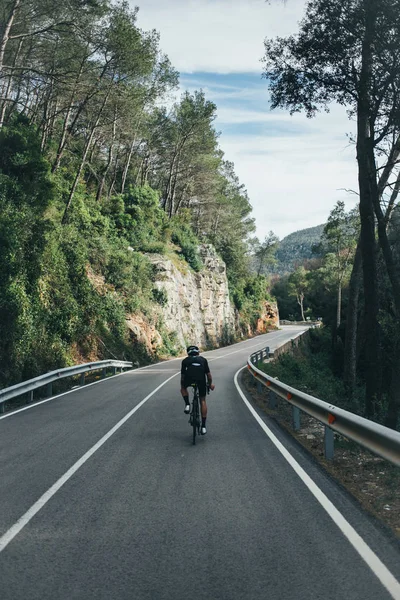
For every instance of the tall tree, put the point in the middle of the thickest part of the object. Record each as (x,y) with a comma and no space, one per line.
(298,286)
(339,241)
(264,252)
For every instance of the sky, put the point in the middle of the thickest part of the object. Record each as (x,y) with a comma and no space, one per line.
(295,169)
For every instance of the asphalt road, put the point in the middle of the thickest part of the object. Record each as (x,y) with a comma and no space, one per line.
(103,496)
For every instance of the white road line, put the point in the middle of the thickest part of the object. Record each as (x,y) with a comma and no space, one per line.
(374,563)
(39,504)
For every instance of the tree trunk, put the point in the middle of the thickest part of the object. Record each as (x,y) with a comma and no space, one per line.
(8,87)
(390,164)
(114,177)
(169,183)
(350,347)
(339,306)
(300,300)
(392,200)
(110,158)
(129,157)
(126,167)
(6,34)
(393,412)
(368,187)
(388,255)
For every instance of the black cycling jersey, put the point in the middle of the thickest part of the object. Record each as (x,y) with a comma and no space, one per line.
(194,368)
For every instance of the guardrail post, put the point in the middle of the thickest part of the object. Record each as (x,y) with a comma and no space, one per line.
(272,399)
(2,408)
(49,390)
(82,379)
(103,373)
(329,443)
(30,397)
(296,418)
(114,370)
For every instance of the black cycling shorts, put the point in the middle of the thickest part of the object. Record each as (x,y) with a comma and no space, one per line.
(201,385)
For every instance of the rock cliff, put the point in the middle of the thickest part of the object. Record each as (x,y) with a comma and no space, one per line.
(195,308)
(197,305)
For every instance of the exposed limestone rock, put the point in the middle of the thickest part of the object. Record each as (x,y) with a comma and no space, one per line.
(194,308)
(144,332)
(198,308)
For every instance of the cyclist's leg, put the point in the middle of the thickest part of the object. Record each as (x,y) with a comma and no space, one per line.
(202,395)
(185,396)
(203,405)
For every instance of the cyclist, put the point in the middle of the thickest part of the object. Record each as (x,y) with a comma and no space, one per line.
(195,369)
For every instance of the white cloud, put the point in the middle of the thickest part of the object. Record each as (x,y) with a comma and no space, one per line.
(220,36)
(294,180)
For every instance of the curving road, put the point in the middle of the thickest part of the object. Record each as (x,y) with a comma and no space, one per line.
(104,497)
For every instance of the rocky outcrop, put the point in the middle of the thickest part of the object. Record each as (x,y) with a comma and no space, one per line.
(144,333)
(196,305)
(269,318)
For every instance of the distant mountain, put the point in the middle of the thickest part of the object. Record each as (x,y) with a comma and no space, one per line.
(295,248)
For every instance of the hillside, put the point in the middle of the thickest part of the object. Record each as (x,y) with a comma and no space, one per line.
(295,248)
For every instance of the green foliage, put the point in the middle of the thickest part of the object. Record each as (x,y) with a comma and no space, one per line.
(264,252)
(25,192)
(160,296)
(248,295)
(170,345)
(184,237)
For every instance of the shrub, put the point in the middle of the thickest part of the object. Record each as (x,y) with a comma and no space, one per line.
(160,296)
(183,236)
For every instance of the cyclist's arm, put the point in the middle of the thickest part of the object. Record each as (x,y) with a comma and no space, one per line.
(210,384)
(183,370)
(209,377)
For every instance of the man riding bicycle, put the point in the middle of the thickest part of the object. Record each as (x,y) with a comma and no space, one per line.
(195,369)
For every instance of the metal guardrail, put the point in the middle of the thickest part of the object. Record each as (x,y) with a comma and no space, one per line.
(47,380)
(309,323)
(381,440)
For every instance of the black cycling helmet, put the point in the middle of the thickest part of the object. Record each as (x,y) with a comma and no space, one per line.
(192,350)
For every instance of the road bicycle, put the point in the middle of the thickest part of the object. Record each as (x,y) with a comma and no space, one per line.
(194,416)
(195,413)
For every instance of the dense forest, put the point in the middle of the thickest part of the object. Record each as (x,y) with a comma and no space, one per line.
(349,53)
(101,164)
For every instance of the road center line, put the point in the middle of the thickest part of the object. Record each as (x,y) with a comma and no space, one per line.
(375,564)
(39,504)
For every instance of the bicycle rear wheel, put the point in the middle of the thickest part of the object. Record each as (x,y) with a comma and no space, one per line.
(195,415)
